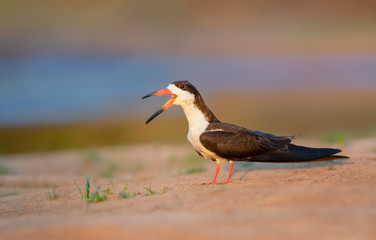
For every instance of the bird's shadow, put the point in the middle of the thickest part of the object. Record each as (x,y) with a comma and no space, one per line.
(245,167)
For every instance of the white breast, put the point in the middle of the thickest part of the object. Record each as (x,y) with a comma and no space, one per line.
(197,125)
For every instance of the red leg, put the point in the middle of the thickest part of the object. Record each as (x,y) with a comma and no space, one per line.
(229,173)
(216,173)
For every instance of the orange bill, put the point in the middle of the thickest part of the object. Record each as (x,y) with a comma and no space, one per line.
(166,106)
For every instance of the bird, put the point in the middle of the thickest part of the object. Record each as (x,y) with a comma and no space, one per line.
(226,142)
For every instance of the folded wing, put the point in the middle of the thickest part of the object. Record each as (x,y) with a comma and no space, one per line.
(237,143)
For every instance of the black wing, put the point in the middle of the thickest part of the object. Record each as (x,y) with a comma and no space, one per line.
(235,143)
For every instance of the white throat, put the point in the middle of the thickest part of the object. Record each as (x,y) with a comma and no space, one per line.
(197,125)
(196,119)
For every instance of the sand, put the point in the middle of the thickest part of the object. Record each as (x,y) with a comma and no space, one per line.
(319,200)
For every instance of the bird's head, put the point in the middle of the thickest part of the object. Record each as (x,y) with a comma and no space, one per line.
(182,92)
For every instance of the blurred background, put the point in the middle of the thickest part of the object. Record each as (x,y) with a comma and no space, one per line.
(72,72)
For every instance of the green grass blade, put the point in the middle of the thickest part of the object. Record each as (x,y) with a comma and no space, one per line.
(149,190)
(78,188)
(164,190)
(87,188)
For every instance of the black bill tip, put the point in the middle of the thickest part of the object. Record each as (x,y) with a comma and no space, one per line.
(149,95)
(159,111)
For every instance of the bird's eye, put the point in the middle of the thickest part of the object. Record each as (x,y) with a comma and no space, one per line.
(182,86)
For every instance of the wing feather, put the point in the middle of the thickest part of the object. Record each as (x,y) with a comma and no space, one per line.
(234,142)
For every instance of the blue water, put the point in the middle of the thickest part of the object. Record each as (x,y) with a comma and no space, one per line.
(58,90)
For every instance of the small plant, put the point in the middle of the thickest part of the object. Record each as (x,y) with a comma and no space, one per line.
(53,195)
(151,192)
(96,196)
(78,188)
(123,194)
(87,189)
(164,190)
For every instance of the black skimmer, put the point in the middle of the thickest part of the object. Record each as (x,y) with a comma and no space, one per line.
(220,141)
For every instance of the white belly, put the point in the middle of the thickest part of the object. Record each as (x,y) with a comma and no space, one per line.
(194,139)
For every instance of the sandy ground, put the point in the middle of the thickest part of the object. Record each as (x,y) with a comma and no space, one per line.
(320,200)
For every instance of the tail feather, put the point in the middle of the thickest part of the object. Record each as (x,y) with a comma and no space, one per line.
(297,153)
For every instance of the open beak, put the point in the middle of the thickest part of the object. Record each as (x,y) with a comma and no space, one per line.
(166,106)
